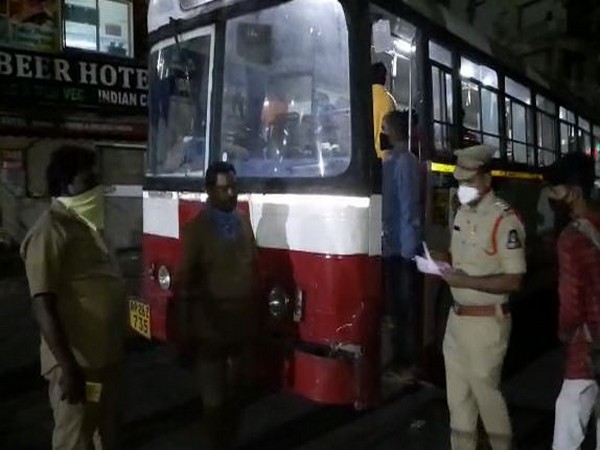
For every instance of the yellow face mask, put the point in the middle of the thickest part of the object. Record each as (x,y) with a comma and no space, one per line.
(89,206)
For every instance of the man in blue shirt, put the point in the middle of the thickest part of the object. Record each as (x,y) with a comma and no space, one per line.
(402,229)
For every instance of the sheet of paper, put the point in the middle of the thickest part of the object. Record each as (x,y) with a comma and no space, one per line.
(93,391)
(428,265)
(426,249)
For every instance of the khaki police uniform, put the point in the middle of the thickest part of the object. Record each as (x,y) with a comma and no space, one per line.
(65,257)
(487,239)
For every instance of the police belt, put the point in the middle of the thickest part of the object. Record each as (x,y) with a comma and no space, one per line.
(500,310)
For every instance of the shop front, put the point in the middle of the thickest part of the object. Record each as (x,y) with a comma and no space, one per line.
(94,101)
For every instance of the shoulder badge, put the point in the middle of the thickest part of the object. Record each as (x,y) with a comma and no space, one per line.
(513,241)
(505,207)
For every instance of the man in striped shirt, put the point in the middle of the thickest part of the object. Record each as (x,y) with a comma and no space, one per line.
(572,180)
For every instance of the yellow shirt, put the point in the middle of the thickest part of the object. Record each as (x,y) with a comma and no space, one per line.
(488,239)
(65,257)
(383,103)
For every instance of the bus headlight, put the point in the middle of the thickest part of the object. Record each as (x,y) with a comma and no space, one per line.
(279,303)
(164,278)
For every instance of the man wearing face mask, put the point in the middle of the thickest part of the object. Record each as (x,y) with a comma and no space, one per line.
(488,263)
(572,180)
(78,301)
(215,291)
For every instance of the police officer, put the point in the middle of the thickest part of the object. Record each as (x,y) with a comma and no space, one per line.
(78,301)
(488,263)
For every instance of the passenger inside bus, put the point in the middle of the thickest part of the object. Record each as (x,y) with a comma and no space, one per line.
(274,107)
(383,104)
(393,48)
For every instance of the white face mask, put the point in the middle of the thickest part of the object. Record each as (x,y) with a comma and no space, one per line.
(467,194)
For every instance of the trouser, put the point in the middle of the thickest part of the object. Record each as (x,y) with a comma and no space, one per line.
(222,387)
(474,350)
(402,298)
(89,425)
(574,406)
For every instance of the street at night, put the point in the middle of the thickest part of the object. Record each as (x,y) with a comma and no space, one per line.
(163,410)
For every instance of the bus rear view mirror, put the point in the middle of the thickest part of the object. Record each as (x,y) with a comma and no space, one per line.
(254,43)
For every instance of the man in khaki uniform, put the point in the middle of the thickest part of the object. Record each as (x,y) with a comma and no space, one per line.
(488,263)
(78,301)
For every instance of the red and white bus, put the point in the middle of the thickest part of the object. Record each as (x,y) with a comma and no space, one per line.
(282,90)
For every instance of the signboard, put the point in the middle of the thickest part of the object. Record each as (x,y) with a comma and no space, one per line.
(72,127)
(33,78)
(30,24)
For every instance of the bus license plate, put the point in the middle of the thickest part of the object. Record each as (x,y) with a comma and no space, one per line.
(139,317)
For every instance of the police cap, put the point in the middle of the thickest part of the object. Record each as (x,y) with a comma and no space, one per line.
(472,160)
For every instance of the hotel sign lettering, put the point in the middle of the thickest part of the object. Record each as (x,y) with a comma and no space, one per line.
(43,78)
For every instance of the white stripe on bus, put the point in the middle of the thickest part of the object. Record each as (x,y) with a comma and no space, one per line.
(122,190)
(324,224)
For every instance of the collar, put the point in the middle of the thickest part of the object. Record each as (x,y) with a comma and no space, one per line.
(58,207)
(400,147)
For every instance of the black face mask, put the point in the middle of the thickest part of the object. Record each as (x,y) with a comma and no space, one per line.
(384,142)
(562,214)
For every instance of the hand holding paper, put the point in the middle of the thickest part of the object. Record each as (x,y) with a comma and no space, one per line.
(428,265)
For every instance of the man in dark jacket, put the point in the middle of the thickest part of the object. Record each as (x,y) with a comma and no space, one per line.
(216,286)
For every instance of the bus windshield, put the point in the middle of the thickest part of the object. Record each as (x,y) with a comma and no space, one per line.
(179,78)
(285,109)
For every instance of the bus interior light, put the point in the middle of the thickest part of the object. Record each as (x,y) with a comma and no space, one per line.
(403,46)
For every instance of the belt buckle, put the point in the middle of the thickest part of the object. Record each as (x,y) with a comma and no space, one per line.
(456,308)
(499,311)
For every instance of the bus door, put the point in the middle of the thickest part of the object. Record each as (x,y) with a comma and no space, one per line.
(394,43)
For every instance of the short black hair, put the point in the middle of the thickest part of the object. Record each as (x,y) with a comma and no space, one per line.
(573,169)
(216,168)
(65,163)
(398,120)
(378,73)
